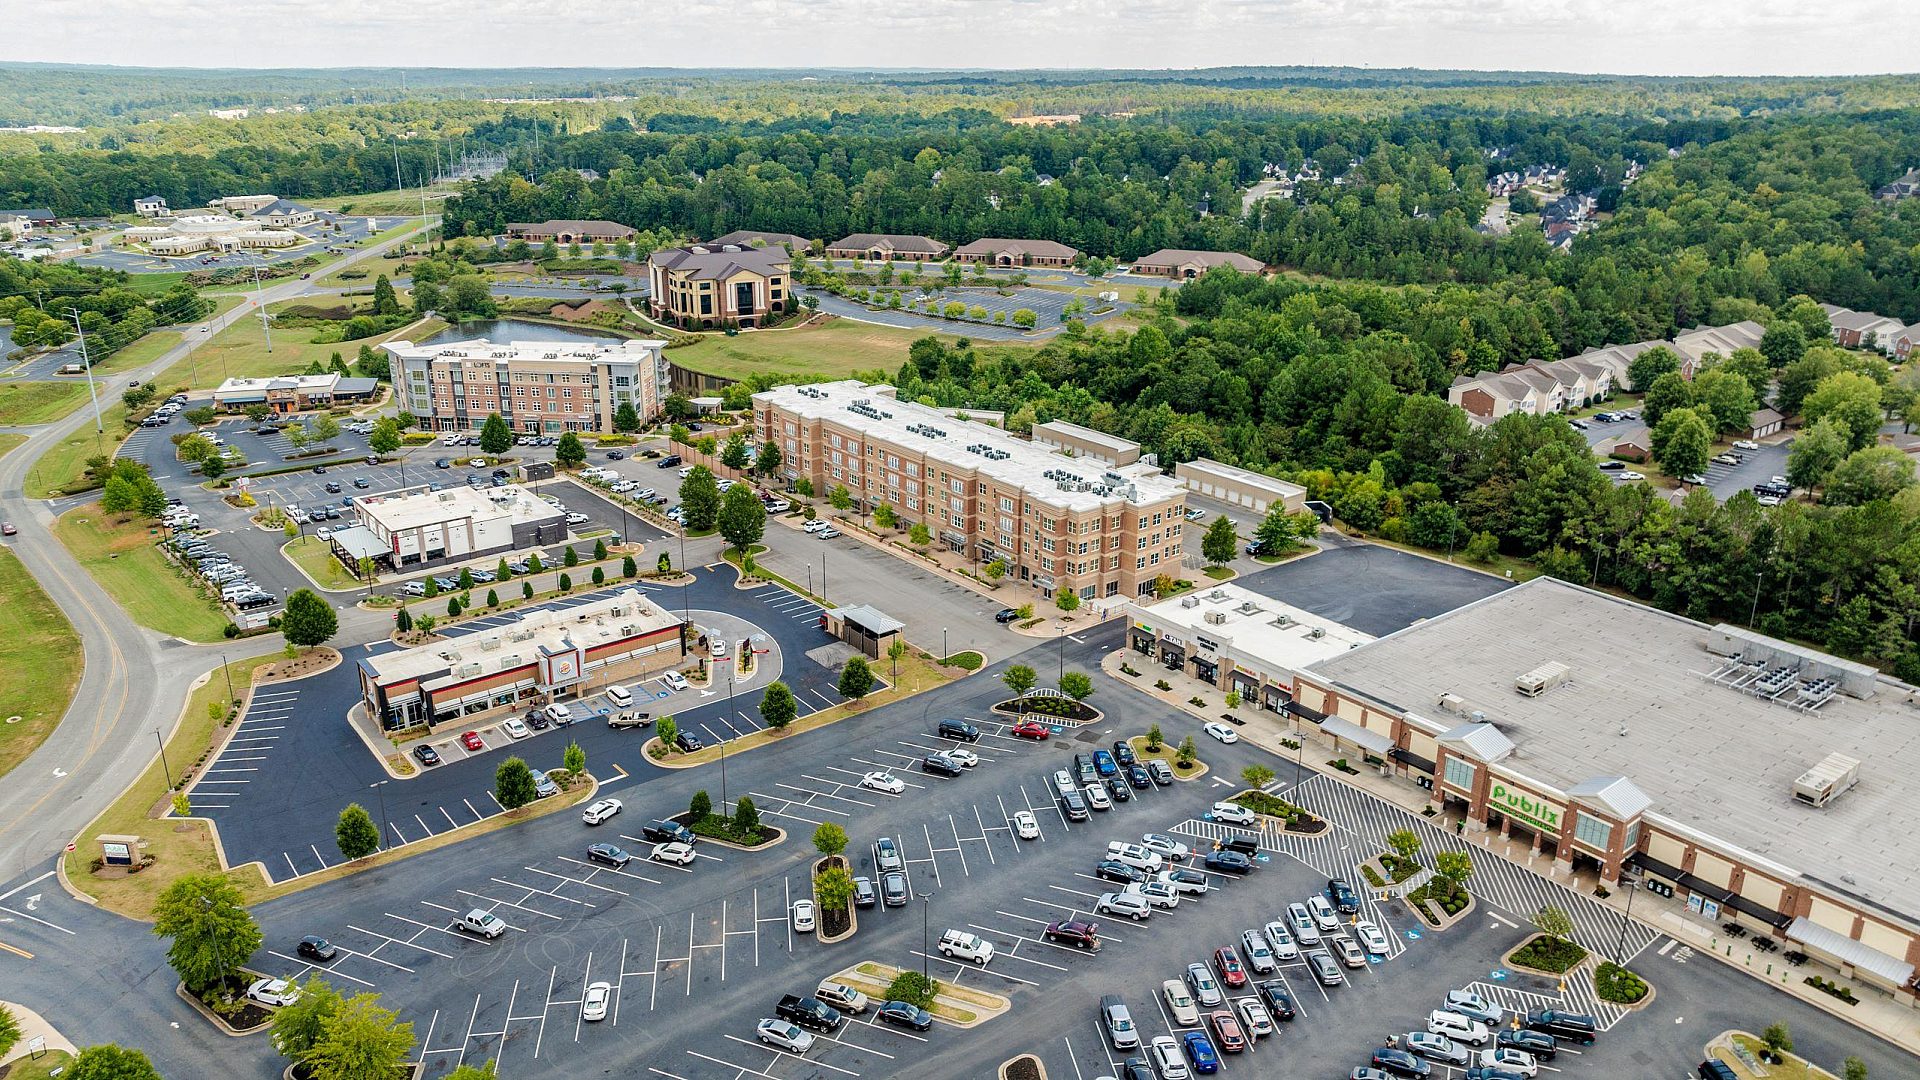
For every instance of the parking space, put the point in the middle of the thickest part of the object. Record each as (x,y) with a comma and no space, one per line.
(228,779)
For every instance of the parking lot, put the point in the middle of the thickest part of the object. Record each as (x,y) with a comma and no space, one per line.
(1376,590)
(318,238)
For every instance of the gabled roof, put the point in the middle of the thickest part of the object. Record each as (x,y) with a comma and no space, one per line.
(916,245)
(751,238)
(1246,264)
(704,262)
(607,230)
(1482,742)
(280,206)
(1616,795)
(993,245)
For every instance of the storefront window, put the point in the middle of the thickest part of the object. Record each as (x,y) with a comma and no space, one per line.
(1592,832)
(1460,773)
(1632,842)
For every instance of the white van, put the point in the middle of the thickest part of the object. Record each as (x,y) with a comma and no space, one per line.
(620,696)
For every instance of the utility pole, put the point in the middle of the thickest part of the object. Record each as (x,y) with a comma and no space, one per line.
(381,786)
(259,301)
(98,428)
(165,769)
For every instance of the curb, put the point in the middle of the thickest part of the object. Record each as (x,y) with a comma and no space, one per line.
(180,990)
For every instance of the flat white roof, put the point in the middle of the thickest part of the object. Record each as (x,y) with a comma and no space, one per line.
(1045,475)
(1268,633)
(417,507)
(482,349)
(1237,475)
(587,625)
(1087,435)
(279,382)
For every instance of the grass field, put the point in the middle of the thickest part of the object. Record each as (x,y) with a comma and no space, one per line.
(39,648)
(121,556)
(835,349)
(383,203)
(10,442)
(315,558)
(240,352)
(49,1064)
(145,351)
(23,404)
(62,469)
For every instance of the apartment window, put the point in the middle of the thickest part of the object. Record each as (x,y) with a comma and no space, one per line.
(913,504)
(1046,565)
(913,468)
(1141,543)
(1459,773)
(1153,559)
(1046,543)
(622,380)
(1006,506)
(1143,521)
(1591,831)
(1113,563)
(893,461)
(1140,563)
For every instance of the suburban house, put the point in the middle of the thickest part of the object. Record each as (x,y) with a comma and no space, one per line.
(153,206)
(282,213)
(750,238)
(1863,329)
(568,231)
(882,247)
(1905,340)
(1906,187)
(705,286)
(1538,387)
(1185,265)
(17,224)
(1694,345)
(28,219)
(995,251)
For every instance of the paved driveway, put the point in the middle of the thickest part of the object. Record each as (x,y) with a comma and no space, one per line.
(1375,590)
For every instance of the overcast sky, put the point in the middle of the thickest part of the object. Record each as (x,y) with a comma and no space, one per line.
(1662,37)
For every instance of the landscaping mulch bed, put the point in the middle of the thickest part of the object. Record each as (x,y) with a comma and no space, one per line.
(1024,1067)
(1057,708)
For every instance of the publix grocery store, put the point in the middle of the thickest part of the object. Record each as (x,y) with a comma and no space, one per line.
(1740,778)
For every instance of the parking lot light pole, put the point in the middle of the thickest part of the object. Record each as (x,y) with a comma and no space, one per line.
(943,645)
(723,743)
(165,769)
(380,786)
(1620,950)
(926,903)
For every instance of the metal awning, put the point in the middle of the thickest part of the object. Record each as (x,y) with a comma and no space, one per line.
(1412,760)
(1845,949)
(1371,741)
(359,543)
(1305,713)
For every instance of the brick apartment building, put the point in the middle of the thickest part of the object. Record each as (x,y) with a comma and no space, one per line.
(1098,529)
(543,387)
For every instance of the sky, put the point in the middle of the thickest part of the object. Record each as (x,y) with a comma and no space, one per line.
(1652,37)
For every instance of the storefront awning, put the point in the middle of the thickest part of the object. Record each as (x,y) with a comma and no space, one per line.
(1371,741)
(1301,711)
(1412,760)
(1701,886)
(1846,949)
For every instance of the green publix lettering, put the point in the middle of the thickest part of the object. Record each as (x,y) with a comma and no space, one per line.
(1522,806)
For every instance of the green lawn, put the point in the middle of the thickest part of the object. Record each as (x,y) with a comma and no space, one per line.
(62,469)
(315,558)
(42,654)
(382,203)
(145,351)
(121,556)
(835,349)
(10,442)
(23,404)
(49,1064)
(240,351)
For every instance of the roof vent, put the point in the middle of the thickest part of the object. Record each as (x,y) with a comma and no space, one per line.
(1827,780)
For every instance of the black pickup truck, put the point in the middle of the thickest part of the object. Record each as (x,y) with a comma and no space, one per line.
(809,1012)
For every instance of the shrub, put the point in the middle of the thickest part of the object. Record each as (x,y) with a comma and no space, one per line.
(913,988)
(1548,953)
(1618,985)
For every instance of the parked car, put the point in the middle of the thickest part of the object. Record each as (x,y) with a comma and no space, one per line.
(1030,729)
(1074,932)
(1228,862)
(594,1005)
(1128,904)
(803,919)
(1254,1018)
(608,855)
(1117,1022)
(1473,1006)
(1180,1003)
(1200,1052)
(1573,1027)
(1164,1052)
(1227,1031)
(1220,731)
(1372,939)
(1398,1062)
(905,1014)
(864,894)
(1188,882)
(1227,963)
(1139,778)
(1006,615)
(882,780)
(1538,1043)
(1518,1062)
(1104,764)
(961,945)
(1260,959)
(426,755)
(1115,870)
(274,992)
(784,1035)
(1123,753)
(1165,846)
(1161,772)
(1325,971)
(1206,991)
(1435,1047)
(600,811)
(1279,1000)
(515,729)
(893,888)
(1344,899)
(471,740)
(1231,813)
(674,852)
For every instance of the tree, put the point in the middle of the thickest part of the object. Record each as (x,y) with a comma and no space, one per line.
(1554,922)
(403,620)
(679,407)
(465,581)
(119,496)
(1186,754)
(308,620)
(574,759)
(1853,1069)
(919,535)
(473,1072)
(1275,532)
(493,598)
(1783,343)
(200,416)
(1778,1037)
(629,568)
(325,428)
(385,438)
(426,297)
(569,557)
(513,784)
(1066,599)
(9,1030)
(1850,398)
(1650,365)
(996,569)
(566,582)
(1219,544)
(1434,524)
(1256,776)
(734,455)
(571,453)
(829,839)
(856,679)
(913,988)
(1819,448)
(700,499)
(355,832)
(495,436)
(363,1041)
(769,459)
(211,934)
(742,518)
(1667,393)
(1682,442)
(884,517)
(1405,843)
(778,707)
(599,575)
(194,448)
(834,887)
(1020,679)
(110,1062)
(746,817)
(384,300)
(700,807)
(626,419)
(257,414)
(840,499)
(1727,397)
(1878,472)
(453,607)
(213,467)
(1154,737)
(1077,685)
(299,1027)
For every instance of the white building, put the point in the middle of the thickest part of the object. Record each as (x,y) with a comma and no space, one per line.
(153,206)
(418,525)
(1238,640)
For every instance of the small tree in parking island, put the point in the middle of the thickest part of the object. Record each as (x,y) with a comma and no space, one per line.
(1405,844)
(1066,599)
(1077,685)
(570,452)
(362,1041)
(1453,867)
(355,832)
(299,1027)
(913,988)
(575,758)
(402,620)
(830,839)
(778,706)
(495,437)
(206,919)
(1256,776)
(1154,739)
(513,784)
(1186,755)
(9,1030)
(1554,922)
(1020,679)
(834,887)
(667,730)
(746,818)
(699,499)
(110,1062)
(856,679)
(742,518)
(701,806)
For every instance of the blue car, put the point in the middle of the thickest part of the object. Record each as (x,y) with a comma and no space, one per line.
(1104,764)
(1200,1052)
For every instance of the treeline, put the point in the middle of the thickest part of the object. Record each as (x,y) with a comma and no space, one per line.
(41,300)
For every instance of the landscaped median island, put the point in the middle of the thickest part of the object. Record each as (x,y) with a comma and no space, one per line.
(1296,819)
(1552,951)
(1183,759)
(40,654)
(958,1005)
(1770,1056)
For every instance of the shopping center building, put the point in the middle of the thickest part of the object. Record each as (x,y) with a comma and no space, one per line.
(545,654)
(1238,640)
(1749,780)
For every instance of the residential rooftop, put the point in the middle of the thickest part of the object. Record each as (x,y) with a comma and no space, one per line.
(420,507)
(1072,484)
(718,262)
(482,349)
(1639,703)
(624,614)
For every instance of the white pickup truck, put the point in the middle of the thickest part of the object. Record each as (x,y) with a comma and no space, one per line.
(484,923)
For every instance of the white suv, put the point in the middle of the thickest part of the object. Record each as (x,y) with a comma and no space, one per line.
(961,945)
(1457,1027)
(1234,814)
(1134,855)
(1133,905)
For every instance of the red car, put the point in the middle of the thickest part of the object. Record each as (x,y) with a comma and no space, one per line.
(1228,963)
(1226,1031)
(1030,729)
(471,740)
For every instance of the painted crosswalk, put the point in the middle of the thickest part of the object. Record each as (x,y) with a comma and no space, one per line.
(1496,880)
(1580,996)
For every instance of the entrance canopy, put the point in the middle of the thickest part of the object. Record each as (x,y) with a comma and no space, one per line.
(1845,949)
(1351,732)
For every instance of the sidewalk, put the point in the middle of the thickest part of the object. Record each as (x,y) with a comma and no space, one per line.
(1875,1012)
(33,1026)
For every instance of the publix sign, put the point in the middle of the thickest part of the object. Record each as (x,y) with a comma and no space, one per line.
(1525,807)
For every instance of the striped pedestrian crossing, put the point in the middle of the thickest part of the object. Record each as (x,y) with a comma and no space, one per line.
(1496,880)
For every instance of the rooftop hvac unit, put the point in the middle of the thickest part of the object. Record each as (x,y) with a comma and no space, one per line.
(467,670)
(1217,595)
(1452,703)
(510,661)
(628,629)
(1189,601)
(1283,620)
(1542,679)
(1827,780)
(1216,618)
(490,644)
(1317,632)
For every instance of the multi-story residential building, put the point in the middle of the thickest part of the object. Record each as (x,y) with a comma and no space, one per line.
(995,251)
(1864,329)
(1539,388)
(882,247)
(1694,345)
(1058,521)
(706,285)
(544,387)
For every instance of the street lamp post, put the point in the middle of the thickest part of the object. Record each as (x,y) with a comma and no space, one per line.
(944,652)
(926,903)
(1620,950)
(165,769)
(229,673)
(1755,613)
(1062,627)
(723,741)
(380,786)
